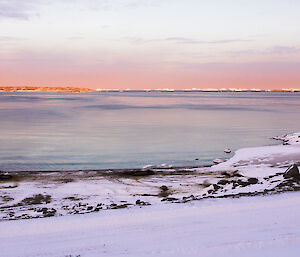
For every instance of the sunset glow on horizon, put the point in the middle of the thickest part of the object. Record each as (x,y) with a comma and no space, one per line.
(140,44)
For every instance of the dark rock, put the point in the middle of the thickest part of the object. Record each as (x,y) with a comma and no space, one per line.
(252,181)
(223,182)
(292,172)
(188,198)
(164,188)
(216,187)
(139,202)
(148,195)
(226,174)
(242,183)
(163,194)
(5,177)
(121,206)
(231,174)
(169,199)
(236,174)
(37,199)
(137,173)
(164,191)
(48,212)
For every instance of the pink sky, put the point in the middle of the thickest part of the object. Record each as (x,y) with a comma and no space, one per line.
(150,44)
(180,76)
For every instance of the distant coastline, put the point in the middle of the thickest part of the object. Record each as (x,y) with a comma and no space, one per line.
(46,89)
(85,90)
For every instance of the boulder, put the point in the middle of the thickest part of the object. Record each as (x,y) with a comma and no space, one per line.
(164,188)
(223,182)
(216,187)
(252,181)
(292,172)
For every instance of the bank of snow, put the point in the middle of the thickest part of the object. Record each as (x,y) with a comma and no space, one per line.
(259,226)
(265,160)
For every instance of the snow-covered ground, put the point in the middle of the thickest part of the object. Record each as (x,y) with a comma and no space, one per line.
(250,171)
(193,212)
(256,226)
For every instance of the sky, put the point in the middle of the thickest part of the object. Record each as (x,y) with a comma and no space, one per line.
(150,44)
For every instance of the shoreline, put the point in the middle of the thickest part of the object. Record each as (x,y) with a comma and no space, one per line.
(247,173)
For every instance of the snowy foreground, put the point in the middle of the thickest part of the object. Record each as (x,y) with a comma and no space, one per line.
(250,226)
(192,212)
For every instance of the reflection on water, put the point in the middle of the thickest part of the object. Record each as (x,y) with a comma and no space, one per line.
(49,131)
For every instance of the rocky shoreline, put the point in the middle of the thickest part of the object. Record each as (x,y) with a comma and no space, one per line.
(27,195)
(44,204)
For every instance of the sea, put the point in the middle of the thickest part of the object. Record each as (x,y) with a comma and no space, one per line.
(42,131)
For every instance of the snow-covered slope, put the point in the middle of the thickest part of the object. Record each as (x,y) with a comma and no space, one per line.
(258,226)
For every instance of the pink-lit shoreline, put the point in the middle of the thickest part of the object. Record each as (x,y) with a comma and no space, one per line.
(85,90)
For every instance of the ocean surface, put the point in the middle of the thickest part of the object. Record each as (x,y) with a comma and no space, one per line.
(57,131)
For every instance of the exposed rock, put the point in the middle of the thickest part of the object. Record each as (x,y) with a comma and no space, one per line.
(37,199)
(230,174)
(252,181)
(292,172)
(164,191)
(241,183)
(223,182)
(188,198)
(5,176)
(164,188)
(139,202)
(139,172)
(169,199)
(49,212)
(121,206)
(216,187)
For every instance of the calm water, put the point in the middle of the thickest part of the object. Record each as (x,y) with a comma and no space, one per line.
(49,131)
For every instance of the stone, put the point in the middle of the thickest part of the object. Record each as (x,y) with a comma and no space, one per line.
(164,188)
(37,199)
(169,199)
(292,172)
(216,187)
(223,182)
(139,202)
(252,181)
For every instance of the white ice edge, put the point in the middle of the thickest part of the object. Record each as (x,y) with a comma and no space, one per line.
(255,158)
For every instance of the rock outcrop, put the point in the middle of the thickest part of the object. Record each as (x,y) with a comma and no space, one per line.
(292,172)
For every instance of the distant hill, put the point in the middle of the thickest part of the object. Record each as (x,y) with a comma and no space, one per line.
(46,89)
